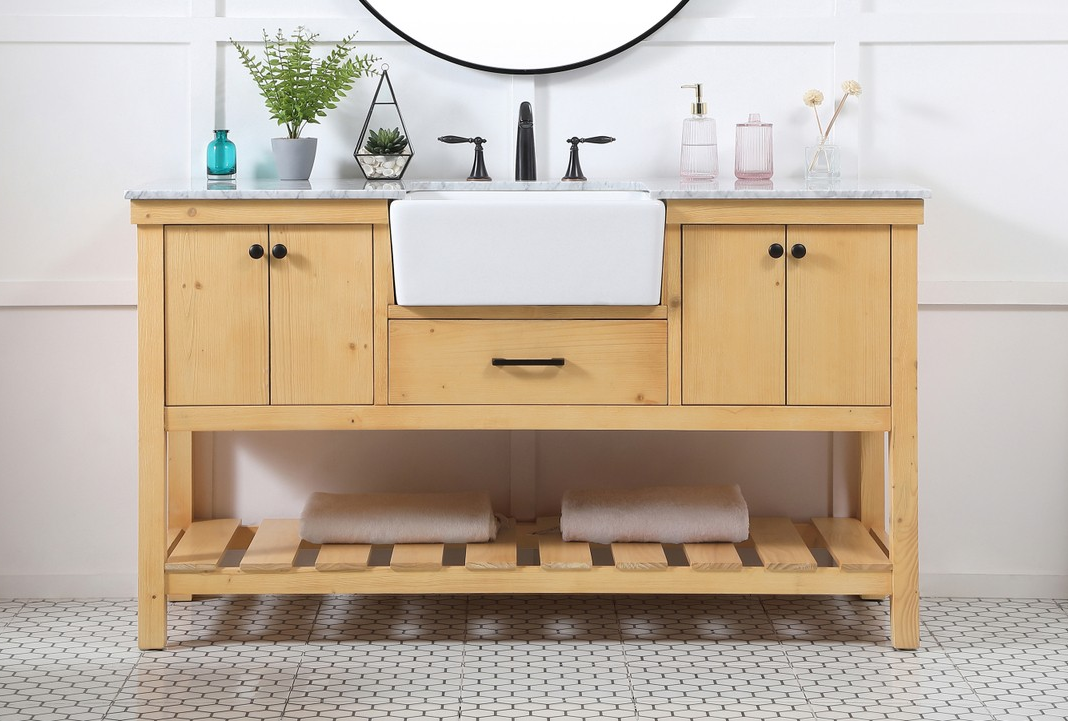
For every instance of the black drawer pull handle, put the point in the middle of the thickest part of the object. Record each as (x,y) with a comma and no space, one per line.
(528,362)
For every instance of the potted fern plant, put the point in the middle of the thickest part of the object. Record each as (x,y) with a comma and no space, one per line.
(298,89)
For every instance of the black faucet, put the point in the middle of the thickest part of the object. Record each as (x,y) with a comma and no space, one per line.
(526,167)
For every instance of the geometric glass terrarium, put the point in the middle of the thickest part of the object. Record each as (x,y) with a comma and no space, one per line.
(384,150)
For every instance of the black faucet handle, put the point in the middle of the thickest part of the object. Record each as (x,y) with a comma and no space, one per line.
(478,168)
(598,139)
(458,139)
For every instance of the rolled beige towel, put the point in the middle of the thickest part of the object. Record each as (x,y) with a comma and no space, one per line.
(459,517)
(661,514)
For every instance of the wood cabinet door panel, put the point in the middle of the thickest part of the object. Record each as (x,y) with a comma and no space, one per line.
(321,316)
(838,315)
(215,300)
(734,332)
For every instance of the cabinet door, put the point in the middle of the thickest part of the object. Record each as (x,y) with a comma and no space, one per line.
(838,315)
(321,315)
(215,299)
(734,325)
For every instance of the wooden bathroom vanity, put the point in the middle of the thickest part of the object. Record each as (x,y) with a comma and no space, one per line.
(779,311)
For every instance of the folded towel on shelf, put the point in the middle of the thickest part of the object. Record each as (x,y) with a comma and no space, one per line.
(459,517)
(661,514)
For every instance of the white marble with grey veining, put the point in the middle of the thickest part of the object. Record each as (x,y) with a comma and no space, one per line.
(726,188)
(259,189)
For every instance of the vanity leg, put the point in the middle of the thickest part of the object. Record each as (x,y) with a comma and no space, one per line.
(873,489)
(873,483)
(152,444)
(904,544)
(179,489)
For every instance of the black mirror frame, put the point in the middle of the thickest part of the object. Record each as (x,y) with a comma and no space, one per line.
(524,71)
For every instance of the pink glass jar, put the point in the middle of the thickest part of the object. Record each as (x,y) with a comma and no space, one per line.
(752,150)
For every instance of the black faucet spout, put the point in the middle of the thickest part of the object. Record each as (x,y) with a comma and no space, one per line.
(525,162)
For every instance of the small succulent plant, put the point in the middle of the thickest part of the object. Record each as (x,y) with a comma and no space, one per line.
(385,142)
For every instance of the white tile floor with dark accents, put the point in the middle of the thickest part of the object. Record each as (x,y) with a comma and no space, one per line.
(534,657)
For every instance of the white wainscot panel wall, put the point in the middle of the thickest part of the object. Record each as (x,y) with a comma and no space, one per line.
(95,119)
(68,451)
(993,419)
(638,99)
(975,122)
(97,8)
(961,97)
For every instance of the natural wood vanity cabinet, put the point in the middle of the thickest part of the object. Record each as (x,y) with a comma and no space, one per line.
(312,339)
(777,315)
(259,314)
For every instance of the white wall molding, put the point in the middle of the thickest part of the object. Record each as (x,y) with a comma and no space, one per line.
(89,293)
(993,292)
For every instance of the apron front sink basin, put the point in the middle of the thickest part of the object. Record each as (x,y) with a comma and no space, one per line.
(527,247)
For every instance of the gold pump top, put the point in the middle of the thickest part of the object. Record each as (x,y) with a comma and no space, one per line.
(700,107)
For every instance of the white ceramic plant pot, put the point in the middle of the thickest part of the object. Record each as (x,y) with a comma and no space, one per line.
(294,157)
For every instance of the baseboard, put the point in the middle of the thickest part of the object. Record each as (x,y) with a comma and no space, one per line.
(992,585)
(97,585)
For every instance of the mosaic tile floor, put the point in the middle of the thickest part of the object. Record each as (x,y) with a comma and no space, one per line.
(534,657)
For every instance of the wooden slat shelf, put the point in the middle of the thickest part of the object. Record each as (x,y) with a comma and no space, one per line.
(274,547)
(533,558)
(202,546)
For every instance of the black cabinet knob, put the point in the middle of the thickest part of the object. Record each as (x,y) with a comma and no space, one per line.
(255,251)
(798,251)
(279,251)
(775,250)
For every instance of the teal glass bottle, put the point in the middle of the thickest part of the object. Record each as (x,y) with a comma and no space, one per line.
(222,157)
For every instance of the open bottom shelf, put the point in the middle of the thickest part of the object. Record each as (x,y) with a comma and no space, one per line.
(828,556)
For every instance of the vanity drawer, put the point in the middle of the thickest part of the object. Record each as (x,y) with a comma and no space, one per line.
(609,362)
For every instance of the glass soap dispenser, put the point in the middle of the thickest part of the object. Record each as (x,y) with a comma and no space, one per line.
(700,153)
(752,149)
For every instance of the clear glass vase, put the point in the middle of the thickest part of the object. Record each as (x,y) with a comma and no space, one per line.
(222,157)
(823,161)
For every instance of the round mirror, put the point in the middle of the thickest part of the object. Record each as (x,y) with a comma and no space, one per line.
(524,36)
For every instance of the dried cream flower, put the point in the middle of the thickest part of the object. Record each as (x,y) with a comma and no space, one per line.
(849,87)
(813,98)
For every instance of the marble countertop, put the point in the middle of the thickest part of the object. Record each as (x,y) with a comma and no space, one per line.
(660,188)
